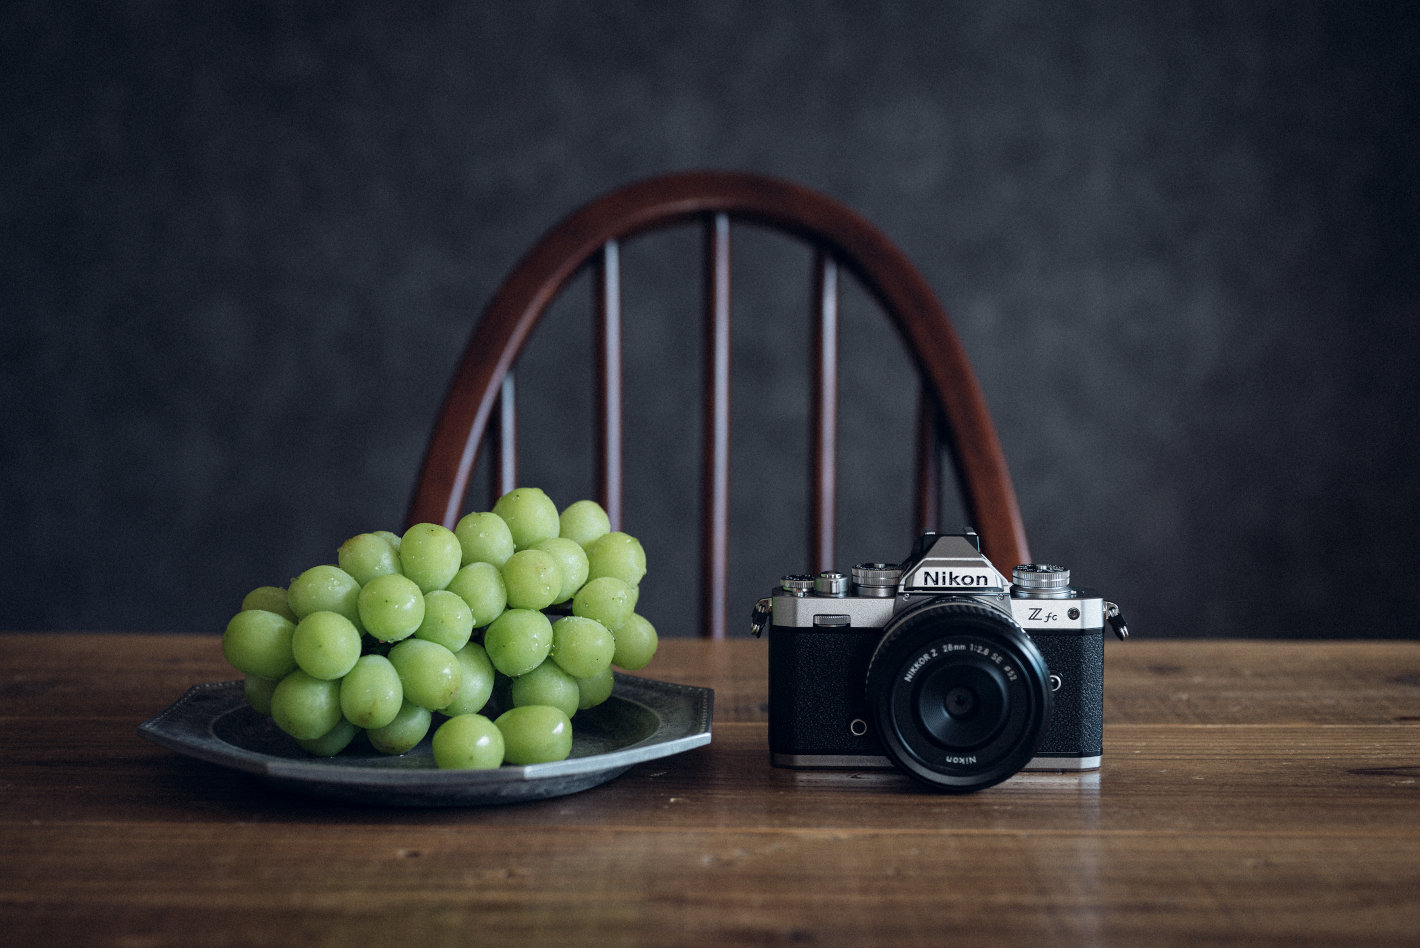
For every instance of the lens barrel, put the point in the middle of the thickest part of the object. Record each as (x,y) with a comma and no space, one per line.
(960,694)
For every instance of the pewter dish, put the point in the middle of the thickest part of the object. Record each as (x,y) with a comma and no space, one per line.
(642,720)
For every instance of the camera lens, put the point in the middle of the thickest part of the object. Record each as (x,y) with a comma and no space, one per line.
(960,694)
(961,707)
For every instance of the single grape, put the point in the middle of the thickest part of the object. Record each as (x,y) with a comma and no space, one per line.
(480,585)
(535,734)
(258,642)
(389,537)
(428,672)
(531,579)
(518,641)
(391,606)
(468,742)
(636,643)
(304,707)
(430,555)
(606,599)
(333,742)
(366,556)
(325,588)
(484,538)
(476,685)
(325,644)
(595,690)
(583,522)
(406,730)
(530,514)
(571,562)
(270,598)
(257,691)
(617,554)
(371,694)
(582,647)
(447,620)
(547,684)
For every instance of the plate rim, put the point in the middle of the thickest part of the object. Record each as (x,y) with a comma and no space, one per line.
(193,733)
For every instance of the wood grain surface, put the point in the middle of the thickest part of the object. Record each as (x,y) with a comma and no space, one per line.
(1252,793)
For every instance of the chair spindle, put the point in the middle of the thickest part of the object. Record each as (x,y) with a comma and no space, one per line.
(823,410)
(715,536)
(607,334)
(928,507)
(503,476)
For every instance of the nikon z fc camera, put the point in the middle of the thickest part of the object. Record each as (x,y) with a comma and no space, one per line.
(938,666)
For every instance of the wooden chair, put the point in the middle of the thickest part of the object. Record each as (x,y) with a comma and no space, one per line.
(479,409)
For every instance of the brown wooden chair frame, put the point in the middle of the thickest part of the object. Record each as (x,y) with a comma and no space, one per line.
(480,407)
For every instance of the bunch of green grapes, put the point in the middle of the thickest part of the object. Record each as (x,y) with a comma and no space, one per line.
(501,630)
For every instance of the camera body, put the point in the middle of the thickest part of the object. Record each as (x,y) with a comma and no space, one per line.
(939,666)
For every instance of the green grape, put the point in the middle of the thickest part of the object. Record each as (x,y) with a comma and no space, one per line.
(617,554)
(530,514)
(606,599)
(430,555)
(304,707)
(257,690)
(571,562)
(518,641)
(366,556)
(325,588)
(325,644)
(447,620)
(480,585)
(270,598)
(371,694)
(391,606)
(584,522)
(594,690)
(476,685)
(531,579)
(468,742)
(535,734)
(406,730)
(429,672)
(582,647)
(547,684)
(258,642)
(332,742)
(484,538)
(389,537)
(636,643)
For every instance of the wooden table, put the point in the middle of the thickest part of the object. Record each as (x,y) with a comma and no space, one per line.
(1258,793)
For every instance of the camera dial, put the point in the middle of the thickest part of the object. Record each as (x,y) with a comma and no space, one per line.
(797,584)
(1040,581)
(877,579)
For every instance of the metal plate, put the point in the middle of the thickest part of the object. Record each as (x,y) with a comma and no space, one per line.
(642,720)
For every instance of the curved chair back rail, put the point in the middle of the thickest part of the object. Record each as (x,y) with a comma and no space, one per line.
(479,407)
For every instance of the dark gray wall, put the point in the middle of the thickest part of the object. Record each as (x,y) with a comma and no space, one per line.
(241,245)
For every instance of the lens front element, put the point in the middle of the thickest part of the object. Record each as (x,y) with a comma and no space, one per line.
(960,694)
(961,706)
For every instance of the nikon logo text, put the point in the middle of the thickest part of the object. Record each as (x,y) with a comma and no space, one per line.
(948,577)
